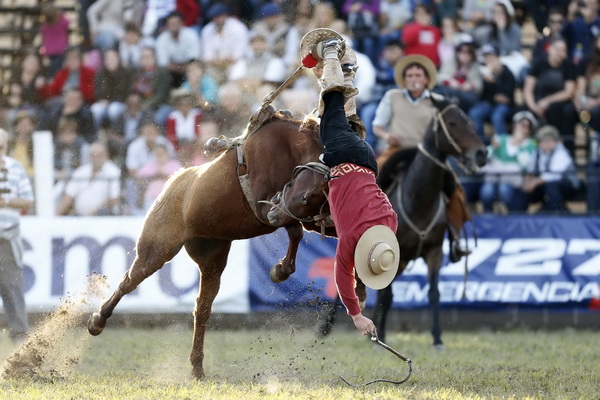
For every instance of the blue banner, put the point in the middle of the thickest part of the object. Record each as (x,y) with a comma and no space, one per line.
(529,261)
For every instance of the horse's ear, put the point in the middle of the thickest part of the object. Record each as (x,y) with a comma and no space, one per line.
(439,101)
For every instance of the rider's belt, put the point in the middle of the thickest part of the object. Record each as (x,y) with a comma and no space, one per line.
(346,168)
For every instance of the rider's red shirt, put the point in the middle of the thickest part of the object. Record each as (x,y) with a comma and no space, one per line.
(356,204)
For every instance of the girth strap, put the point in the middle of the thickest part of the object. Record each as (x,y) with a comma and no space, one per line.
(242,172)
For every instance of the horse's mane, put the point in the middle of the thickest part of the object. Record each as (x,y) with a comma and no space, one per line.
(395,165)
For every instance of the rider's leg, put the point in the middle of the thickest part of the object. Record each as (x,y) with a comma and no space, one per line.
(456,214)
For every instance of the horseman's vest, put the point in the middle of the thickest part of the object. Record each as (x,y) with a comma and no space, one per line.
(409,120)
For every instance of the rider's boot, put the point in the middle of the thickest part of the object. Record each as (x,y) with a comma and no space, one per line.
(332,77)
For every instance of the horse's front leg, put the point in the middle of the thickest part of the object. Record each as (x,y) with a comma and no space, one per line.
(433,258)
(287,266)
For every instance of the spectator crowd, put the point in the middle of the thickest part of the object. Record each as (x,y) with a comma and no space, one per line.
(136,93)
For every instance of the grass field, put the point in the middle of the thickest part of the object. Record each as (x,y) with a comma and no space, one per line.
(133,363)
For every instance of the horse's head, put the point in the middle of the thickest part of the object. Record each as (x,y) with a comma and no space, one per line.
(453,133)
(304,198)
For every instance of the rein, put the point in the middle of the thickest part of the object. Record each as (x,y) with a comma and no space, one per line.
(375,339)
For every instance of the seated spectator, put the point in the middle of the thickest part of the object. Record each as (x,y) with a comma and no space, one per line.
(505,33)
(509,158)
(556,22)
(54,32)
(73,75)
(580,33)
(549,89)
(232,113)
(475,13)
(140,152)
(94,188)
(154,84)
(131,45)
(30,77)
(126,127)
(248,71)
(392,18)
(202,86)
(70,150)
(325,15)
(224,40)
(497,98)
(156,172)
(73,107)
(271,25)
(451,37)
(363,24)
(183,124)
(113,83)
(421,36)
(587,94)
(156,12)
(552,178)
(20,145)
(107,20)
(175,47)
(460,79)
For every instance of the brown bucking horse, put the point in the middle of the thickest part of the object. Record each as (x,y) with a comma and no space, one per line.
(414,181)
(205,208)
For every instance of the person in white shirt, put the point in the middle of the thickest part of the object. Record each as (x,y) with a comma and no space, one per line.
(107,19)
(176,46)
(94,188)
(16,196)
(552,175)
(224,40)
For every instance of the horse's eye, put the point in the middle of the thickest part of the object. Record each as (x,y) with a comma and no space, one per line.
(304,199)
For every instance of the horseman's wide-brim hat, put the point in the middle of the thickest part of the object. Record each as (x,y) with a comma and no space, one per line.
(318,35)
(423,61)
(377,256)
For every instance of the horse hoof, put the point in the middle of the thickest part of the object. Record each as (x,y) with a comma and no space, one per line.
(197,372)
(96,324)
(276,275)
(439,347)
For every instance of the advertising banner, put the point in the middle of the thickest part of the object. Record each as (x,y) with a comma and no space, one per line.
(59,253)
(528,261)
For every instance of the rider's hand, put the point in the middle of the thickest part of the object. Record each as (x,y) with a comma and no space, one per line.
(363,324)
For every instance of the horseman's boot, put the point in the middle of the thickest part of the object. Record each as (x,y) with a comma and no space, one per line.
(457,214)
(332,77)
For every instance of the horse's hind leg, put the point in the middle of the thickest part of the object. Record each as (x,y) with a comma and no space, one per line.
(151,256)
(287,266)
(211,256)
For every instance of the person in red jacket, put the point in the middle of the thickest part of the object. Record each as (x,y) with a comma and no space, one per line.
(421,36)
(365,221)
(73,75)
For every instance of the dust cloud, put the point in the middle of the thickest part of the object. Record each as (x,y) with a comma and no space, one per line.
(55,347)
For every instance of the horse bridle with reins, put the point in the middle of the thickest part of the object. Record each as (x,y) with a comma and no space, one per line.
(439,121)
(321,218)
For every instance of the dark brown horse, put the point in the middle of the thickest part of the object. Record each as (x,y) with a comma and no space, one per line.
(205,208)
(414,183)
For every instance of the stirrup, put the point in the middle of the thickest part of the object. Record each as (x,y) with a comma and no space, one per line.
(456,252)
(318,51)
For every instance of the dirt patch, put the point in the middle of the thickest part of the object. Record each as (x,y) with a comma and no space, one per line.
(55,347)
